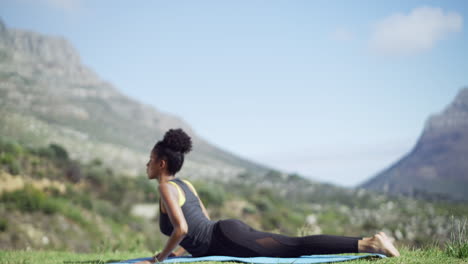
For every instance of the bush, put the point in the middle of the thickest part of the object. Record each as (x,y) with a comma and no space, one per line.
(97,176)
(29,199)
(7,159)
(53,151)
(211,194)
(51,207)
(249,209)
(96,162)
(273,175)
(43,152)
(73,171)
(3,225)
(12,148)
(264,204)
(59,151)
(148,189)
(71,212)
(11,162)
(15,168)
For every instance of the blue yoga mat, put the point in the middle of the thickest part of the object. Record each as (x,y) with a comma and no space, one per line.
(263,260)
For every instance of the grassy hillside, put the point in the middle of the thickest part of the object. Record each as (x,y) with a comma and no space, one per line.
(49,201)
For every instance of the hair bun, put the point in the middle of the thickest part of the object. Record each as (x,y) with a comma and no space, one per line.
(177,140)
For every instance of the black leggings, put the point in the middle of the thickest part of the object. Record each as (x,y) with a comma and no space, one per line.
(232,237)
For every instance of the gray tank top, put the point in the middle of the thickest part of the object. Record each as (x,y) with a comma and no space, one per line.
(200,228)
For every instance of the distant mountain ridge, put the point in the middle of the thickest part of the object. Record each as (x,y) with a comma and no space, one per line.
(47,95)
(438,164)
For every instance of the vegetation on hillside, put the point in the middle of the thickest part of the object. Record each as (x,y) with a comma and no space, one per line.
(49,201)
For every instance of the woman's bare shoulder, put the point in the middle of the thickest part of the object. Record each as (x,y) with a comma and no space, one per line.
(165,188)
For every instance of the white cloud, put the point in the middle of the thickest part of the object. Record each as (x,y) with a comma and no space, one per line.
(342,34)
(401,34)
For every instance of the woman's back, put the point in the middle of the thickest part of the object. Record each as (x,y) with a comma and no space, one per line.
(200,228)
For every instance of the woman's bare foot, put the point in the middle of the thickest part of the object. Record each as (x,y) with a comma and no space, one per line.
(391,239)
(379,243)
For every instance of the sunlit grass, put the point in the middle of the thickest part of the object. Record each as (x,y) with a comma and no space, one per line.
(408,256)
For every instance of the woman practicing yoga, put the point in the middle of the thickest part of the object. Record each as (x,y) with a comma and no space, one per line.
(184,218)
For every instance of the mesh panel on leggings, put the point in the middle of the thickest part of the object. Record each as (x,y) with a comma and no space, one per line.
(275,248)
(268,242)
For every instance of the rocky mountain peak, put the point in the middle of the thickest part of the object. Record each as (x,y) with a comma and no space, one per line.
(454,115)
(52,57)
(437,166)
(47,48)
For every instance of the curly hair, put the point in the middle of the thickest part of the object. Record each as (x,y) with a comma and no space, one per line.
(175,144)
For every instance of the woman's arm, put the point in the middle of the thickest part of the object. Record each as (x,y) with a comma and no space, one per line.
(170,198)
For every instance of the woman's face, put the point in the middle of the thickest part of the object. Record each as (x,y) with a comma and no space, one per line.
(152,168)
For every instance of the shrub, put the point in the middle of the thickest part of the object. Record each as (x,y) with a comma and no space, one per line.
(211,194)
(3,225)
(51,206)
(148,189)
(58,151)
(15,168)
(13,148)
(11,162)
(73,171)
(264,204)
(6,159)
(53,151)
(273,175)
(44,152)
(295,177)
(249,209)
(29,199)
(96,162)
(97,176)
(71,212)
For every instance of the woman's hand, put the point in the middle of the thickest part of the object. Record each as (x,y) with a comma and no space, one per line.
(158,257)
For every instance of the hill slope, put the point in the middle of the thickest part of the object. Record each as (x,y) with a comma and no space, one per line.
(47,95)
(438,164)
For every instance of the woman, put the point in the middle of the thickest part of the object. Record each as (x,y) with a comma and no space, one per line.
(184,218)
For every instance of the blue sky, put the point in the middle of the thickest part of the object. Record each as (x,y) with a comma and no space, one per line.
(333,90)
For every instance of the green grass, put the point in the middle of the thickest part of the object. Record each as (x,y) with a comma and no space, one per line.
(49,257)
(457,246)
(408,256)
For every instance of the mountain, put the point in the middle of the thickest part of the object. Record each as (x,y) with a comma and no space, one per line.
(48,96)
(438,164)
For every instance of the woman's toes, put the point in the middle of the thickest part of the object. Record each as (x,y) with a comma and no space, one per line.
(391,239)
